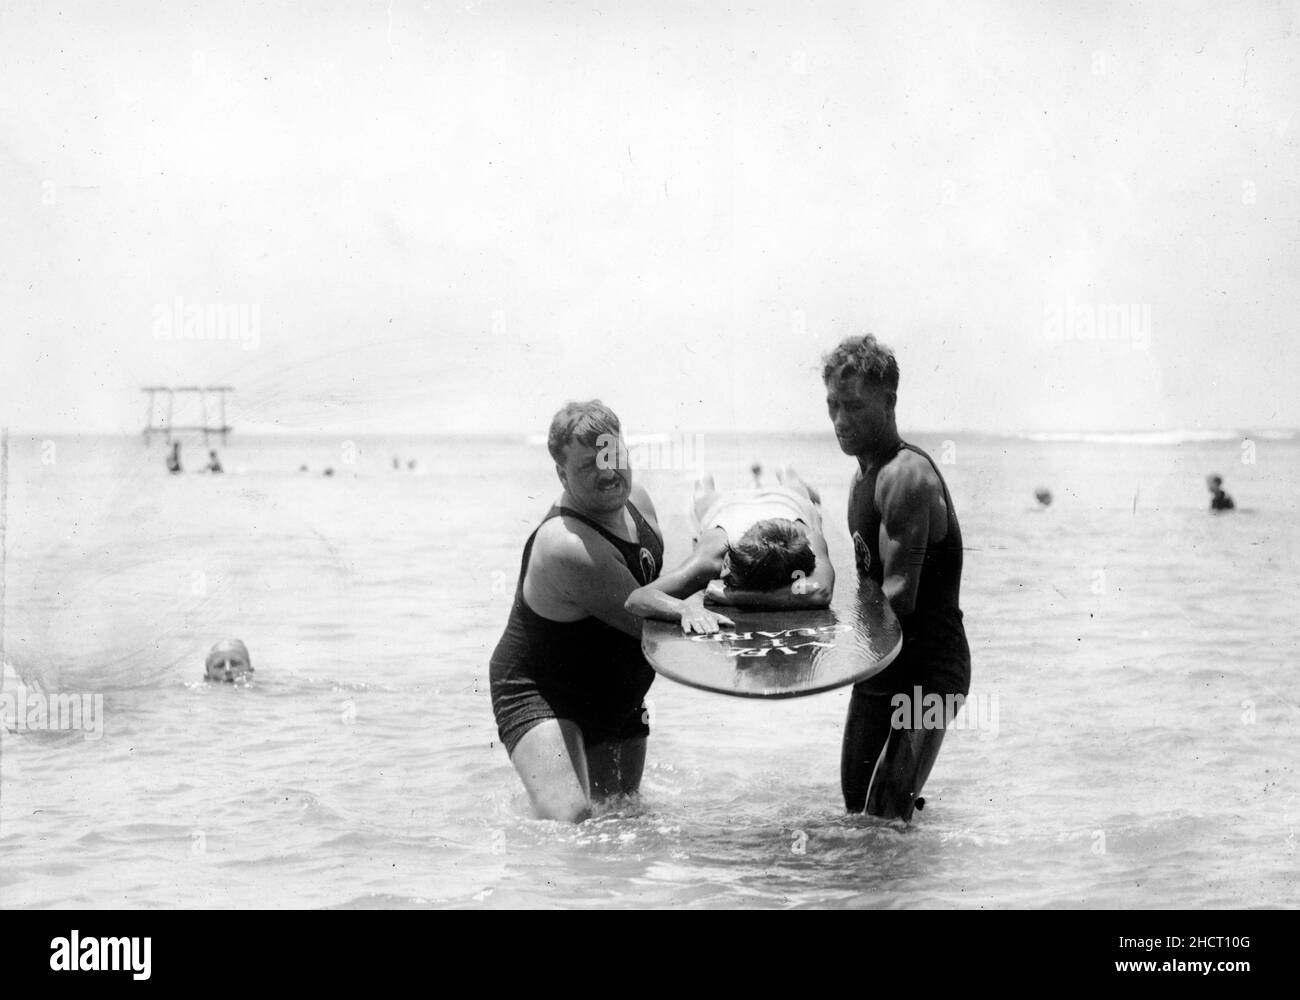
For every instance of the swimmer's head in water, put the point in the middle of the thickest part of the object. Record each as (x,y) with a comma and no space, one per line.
(1043,495)
(228,661)
(769,555)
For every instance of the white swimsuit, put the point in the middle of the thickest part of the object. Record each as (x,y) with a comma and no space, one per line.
(738,511)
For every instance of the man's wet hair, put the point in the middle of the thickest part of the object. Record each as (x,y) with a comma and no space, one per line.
(768,555)
(865,357)
(585,423)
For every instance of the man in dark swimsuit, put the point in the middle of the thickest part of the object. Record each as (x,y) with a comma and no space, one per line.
(907,540)
(568,676)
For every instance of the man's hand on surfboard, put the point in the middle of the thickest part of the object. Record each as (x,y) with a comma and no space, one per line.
(699,619)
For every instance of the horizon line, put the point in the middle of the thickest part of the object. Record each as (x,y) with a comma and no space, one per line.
(263,431)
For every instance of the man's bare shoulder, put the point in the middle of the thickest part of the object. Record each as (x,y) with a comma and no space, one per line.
(566,542)
(907,474)
(907,486)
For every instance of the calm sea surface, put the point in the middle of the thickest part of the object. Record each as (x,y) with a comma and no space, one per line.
(1134,656)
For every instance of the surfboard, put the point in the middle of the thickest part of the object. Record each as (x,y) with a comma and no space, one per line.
(781,654)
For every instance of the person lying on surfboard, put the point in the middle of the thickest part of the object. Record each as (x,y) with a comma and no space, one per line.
(761,549)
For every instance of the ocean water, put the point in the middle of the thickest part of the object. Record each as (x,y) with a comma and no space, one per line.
(1134,660)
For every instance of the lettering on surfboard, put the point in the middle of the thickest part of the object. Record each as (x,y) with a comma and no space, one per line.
(776,642)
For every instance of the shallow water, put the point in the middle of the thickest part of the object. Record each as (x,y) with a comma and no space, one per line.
(1140,654)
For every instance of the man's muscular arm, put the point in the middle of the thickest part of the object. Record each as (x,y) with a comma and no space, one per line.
(907,495)
(585,573)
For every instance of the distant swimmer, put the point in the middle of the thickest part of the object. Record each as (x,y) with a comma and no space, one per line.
(755,548)
(214,463)
(756,471)
(328,471)
(174,459)
(228,662)
(1219,500)
(1043,495)
(907,540)
(568,677)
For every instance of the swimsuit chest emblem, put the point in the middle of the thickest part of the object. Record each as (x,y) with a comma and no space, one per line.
(862,553)
(648,565)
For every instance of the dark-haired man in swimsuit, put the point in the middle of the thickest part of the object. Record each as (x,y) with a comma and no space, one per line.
(906,539)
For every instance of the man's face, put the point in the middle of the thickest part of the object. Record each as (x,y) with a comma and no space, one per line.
(597,478)
(859,411)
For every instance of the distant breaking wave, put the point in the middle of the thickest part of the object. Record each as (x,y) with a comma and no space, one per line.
(1180,436)
(1167,437)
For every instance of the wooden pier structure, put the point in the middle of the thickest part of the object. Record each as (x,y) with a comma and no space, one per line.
(151,428)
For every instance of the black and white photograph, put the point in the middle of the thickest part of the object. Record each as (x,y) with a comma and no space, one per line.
(491,455)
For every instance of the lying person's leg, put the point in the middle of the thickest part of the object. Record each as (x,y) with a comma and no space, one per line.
(787,476)
(705,495)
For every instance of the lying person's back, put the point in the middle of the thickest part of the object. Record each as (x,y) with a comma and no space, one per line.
(737,511)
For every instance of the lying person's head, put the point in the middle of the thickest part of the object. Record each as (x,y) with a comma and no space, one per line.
(770,554)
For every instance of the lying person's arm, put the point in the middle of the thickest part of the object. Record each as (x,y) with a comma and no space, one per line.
(690,612)
(802,593)
(669,598)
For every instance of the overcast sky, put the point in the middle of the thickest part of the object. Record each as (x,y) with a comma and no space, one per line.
(454,216)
